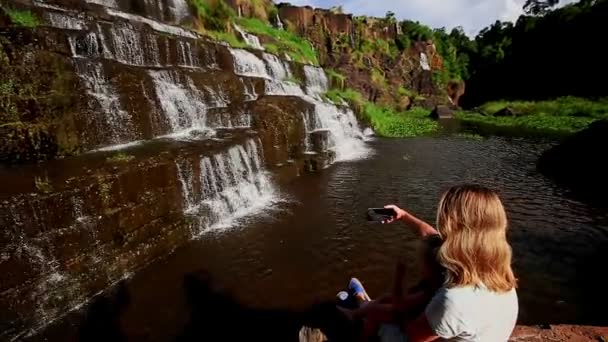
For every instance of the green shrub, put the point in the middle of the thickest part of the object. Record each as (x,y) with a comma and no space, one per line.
(336,78)
(379,79)
(215,15)
(287,42)
(22,18)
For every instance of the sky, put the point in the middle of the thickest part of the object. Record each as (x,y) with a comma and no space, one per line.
(472,15)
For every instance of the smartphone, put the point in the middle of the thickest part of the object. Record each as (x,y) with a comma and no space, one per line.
(380,214)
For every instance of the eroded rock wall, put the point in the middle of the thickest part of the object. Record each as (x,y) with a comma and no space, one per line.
(338,39)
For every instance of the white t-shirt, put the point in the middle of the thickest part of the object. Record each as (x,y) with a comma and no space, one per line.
(472,314)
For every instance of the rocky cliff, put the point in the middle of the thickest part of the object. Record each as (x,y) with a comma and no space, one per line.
(361,48)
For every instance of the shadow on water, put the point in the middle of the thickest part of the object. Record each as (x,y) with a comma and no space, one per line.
(213,315)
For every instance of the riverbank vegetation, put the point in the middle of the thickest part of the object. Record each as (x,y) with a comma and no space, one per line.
(386,120)
(562,115)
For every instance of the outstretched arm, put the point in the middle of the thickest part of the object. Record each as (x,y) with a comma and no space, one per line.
(422,228)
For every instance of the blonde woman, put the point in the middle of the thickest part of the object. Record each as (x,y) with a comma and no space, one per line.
(478,301)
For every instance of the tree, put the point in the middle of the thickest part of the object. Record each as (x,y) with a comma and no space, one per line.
(390,17)
(539,7)
(337,9)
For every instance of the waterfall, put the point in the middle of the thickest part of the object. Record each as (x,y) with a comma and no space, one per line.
(233,184)
(122,43)
(249,89)
(184,105)
(248,64)
(346,138)
(280,25)
(62,21)
(251,40)
(155,25)
(278,69)
(105,102)
(186,55)
(283,88)
(179,10)
(106,3)
(424,61)
(316,81)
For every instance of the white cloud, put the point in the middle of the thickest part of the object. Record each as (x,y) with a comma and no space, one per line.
(473,15)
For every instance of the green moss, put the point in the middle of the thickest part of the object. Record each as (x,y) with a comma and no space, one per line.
(120,157)
(272,48)
(227,37)
(22,18)
(286,42)
(293,79)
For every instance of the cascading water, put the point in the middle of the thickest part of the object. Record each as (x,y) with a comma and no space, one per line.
(183,105)
(64,21)
(424,61)
(233,184)
(251,40)
(346,138)
(186,55)
(248,64)
(316,81)
(113,120)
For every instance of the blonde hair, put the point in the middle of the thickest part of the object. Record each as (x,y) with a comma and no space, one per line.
(473,224)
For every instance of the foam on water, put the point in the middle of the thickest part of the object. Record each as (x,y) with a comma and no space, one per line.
(250,39)
(233,184)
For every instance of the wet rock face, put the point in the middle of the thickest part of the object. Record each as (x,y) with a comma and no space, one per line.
(39,97)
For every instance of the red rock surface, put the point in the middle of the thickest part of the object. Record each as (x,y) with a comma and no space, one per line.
(560,333)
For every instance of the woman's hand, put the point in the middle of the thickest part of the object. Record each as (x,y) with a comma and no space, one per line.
(400,213)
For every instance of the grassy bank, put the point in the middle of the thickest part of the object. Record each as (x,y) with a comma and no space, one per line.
(283,41)
(563,115)
(385,120)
